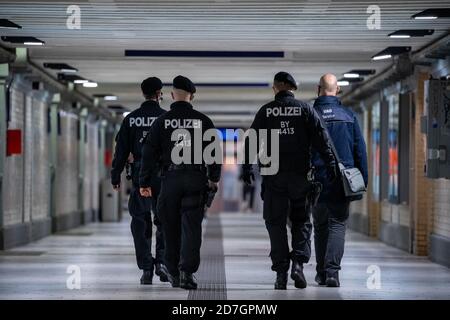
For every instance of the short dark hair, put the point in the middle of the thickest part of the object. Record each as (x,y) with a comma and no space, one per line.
(283,85)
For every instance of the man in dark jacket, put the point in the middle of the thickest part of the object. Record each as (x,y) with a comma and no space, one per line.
(299,128)
(332,211)
(130,140)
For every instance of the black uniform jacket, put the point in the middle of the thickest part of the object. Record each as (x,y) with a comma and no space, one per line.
(299,128)
(159,144)
(131,136)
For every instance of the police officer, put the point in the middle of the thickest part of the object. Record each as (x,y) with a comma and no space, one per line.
(181,201)
(130,139)
(331,213)
(285,192)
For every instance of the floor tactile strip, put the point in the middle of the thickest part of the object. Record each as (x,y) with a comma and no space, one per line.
(211,274)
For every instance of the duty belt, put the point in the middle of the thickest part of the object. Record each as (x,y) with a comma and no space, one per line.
(190,167)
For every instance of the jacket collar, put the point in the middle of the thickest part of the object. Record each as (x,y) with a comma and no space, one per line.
(150,103)
(180,104)
(283,94)
(327,100)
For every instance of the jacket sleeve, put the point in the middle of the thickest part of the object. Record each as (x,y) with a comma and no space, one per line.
(256,125)
(359,151)
(214,169)
(151,154)
(320,139)
(121,153)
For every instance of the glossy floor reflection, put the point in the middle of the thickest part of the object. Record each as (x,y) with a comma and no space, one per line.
(104,252)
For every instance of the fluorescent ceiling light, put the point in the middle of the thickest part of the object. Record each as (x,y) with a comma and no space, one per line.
(431,14)
(400,36)
(80,81)
(30,41)
(426,18)
(62,67)
(7,24)
(110,98)
(343,83)
(90,84)
(33,43)
(389,52)
(411,33)
(351,75)
(382,57)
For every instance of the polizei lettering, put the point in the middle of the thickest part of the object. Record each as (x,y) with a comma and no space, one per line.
(283,111)
(142,121)
(183,123)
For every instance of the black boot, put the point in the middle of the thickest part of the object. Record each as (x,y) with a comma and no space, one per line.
(174,280)
(321,278)
(297,275)
(161,272)
(333,280)
(281,282)
(187,281)
(147,277)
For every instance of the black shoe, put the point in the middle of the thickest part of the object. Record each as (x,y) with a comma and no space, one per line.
(174,280)
(187,281)
(147,277)
(297,275)
(333,280)
(281,282)
(321,278)
(161,272)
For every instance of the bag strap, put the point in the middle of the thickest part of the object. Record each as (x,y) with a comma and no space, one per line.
(333,148)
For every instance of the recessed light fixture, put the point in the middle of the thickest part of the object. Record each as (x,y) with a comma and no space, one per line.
(71,78)
(351,75)
(343,83)
(62,67)
(7,24)
(356,73)
(90,84)
(432,14)
(389,52)
(28,41)
(404,34)
(106,97)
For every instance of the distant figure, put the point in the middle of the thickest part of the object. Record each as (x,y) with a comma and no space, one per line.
(332,211)
(248,196)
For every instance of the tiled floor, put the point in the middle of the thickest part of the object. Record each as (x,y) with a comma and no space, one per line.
(104,252)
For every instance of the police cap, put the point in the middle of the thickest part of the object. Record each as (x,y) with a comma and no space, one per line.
(183,83)
(285,78)
(150,85)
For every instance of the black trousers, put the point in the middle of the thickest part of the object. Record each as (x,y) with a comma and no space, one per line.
(181,209)
(285,196)
(329,235)
(142,228)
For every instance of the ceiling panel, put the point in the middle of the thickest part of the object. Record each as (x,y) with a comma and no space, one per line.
(317,37)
